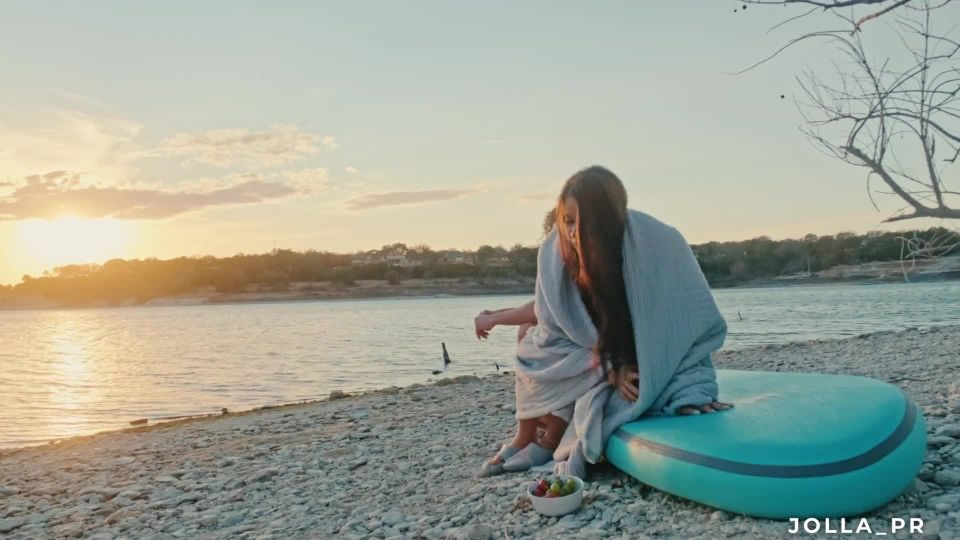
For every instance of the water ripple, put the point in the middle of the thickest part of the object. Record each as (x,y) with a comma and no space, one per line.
(72,372)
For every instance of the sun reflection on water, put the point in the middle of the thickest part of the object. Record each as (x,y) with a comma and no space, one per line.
(73,386)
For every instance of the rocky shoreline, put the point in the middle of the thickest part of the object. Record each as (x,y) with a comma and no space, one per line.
(400,463)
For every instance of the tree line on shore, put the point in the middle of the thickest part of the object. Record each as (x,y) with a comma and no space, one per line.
(137,281)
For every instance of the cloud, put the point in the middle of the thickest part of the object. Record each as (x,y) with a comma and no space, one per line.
(397,198)
(38,139)
(96,162)
(60,192)
(305,180)
(227,147)
(351,170)
(537,196)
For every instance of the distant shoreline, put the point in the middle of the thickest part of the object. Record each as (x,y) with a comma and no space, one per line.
(323,291)
(763,283)
(437,288)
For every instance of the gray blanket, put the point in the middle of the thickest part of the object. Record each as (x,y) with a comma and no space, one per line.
(676,327)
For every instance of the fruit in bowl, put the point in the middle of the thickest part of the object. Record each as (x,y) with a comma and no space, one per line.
(556,496)
(557,488)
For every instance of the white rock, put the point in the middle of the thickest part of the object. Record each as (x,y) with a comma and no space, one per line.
(116,516)
(11,523)
(951,430)
(931,530)
(392,518)
(947,477)
(949,499)
(263,475)
(940,440)
(188,498)
(40,517)
(133,492)
(231,519)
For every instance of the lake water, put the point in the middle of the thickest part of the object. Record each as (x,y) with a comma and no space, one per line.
(73,372)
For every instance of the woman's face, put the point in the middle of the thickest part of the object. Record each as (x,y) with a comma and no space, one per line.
(571,213)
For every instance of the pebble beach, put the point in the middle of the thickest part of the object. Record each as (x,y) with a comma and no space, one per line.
(401,463)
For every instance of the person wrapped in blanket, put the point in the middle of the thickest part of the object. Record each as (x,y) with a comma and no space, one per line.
(586,232)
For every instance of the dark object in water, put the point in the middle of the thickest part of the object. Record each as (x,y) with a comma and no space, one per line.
(436,372)
(139,422)
(446,357)
(224,410)
(739,315)
(498,366)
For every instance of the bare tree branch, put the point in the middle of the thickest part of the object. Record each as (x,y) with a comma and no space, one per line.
(791,19)
(879,170)
(898,116)
(791,43)
(888,9)
(833,4)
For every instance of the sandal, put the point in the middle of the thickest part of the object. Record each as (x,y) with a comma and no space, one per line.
(493,469)
(531,456)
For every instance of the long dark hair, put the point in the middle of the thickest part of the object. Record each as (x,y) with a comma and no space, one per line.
(594,258)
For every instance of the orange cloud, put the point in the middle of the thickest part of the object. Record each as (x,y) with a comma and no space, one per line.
(58,192)
(397,198)
(227,147)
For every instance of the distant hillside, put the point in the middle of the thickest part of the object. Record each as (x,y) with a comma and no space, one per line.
(922,270)
(288,274)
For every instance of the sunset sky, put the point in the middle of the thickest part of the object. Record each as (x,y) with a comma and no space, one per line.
(157,130)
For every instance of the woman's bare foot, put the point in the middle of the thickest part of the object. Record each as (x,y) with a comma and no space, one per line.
(708,408)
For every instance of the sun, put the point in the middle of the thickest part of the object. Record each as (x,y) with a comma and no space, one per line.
(72,240)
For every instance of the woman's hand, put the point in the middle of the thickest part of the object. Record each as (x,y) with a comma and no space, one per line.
(708,408)
(626,382)
(484,323)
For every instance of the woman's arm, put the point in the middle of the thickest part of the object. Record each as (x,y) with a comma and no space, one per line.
(515,316)
(486,320)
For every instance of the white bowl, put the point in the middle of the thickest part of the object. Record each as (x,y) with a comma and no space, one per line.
(557,506)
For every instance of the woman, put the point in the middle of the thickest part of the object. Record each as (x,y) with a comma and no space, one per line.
(543,431)
(609,280)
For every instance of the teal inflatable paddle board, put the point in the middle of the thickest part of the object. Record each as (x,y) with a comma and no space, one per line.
(794,445)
